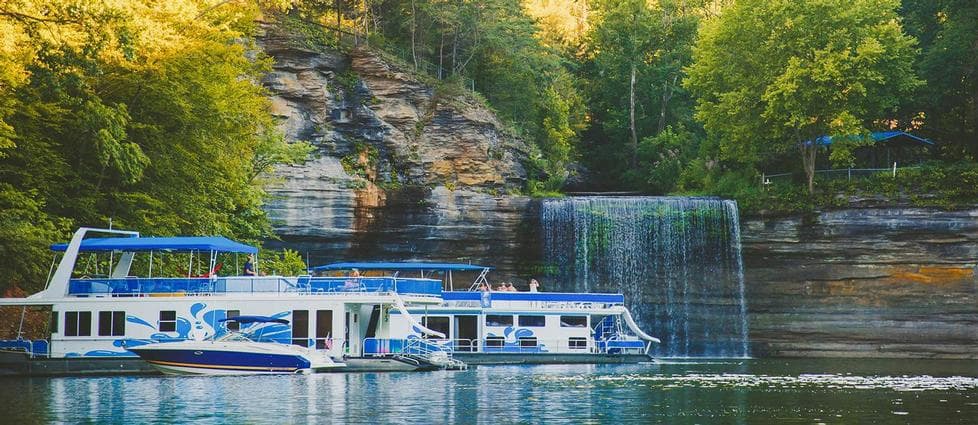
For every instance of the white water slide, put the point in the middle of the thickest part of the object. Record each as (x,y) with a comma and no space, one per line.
(634,328)
(399,305)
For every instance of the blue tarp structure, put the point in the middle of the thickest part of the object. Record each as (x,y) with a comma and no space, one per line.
(884,137)
(177,243)
(401,266)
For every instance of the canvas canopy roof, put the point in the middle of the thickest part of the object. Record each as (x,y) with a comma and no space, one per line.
(177,243)
(884,137)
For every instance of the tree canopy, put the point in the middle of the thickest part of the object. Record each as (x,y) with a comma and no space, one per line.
(771,76)
(142,115)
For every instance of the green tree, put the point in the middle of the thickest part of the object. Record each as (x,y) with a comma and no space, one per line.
(773,75)
(283,263)
(142,114)
(635,54)
(946,109)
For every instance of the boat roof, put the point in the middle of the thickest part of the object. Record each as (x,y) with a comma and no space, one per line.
(254,319)
(176,243)
(402,266)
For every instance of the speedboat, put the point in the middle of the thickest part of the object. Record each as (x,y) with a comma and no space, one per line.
(235,353)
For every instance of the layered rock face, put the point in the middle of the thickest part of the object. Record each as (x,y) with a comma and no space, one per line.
(400,170)
(878,282)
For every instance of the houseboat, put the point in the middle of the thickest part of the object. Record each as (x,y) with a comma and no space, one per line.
(96,316)
(393,316)
(484,326)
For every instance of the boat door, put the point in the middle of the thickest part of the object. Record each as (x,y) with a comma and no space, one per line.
(353,330)
(466,333)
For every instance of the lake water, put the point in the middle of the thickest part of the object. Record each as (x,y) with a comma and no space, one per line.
(674,392)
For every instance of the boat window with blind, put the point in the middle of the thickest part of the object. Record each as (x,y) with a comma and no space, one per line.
(168,321)
(436,323)
(495,341)
(78,323)
(499,320)
(300,328)
(528,341)
(111,323)
(577,343)
(233,326)
(533,321)
(54,322)
(573,321)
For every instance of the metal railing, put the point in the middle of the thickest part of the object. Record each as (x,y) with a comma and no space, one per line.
(837,173)
(140,287)
(382,347)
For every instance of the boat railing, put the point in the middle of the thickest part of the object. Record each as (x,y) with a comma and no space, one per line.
(137,287)
(388,346)
(543,345)
(33,348)
(547,300)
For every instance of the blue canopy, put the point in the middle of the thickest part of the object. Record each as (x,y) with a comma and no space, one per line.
(402,266)
(177,243)
(254,319)
(882,136)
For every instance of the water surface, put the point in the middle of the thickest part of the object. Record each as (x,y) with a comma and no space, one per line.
(674,392)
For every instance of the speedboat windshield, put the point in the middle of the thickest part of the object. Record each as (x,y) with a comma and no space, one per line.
(234,336)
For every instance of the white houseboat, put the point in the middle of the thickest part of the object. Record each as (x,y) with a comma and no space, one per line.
(483,326)
(380,320)
(96,318)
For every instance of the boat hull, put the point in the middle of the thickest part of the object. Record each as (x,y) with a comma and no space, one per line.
(215,358)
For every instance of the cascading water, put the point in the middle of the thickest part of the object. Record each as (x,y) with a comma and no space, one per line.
(676,259)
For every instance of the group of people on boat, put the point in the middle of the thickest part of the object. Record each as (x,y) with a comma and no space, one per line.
(509,287)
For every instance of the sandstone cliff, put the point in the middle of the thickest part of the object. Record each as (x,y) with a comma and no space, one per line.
(874,282)
(401,169)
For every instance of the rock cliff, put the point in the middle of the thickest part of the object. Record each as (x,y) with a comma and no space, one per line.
(401,170)
(875,282)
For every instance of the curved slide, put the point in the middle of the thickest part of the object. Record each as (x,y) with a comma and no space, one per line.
(634,328)
(399,305)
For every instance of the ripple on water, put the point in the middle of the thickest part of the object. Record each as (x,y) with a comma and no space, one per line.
(828,381)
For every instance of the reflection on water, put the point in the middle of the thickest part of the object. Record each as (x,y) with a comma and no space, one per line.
(756,391)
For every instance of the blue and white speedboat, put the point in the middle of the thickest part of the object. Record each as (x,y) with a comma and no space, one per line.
(235,353)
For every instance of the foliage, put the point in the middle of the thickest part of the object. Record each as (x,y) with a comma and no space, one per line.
(283,263)
(655,42)
(772,76)
(946,108)
(142,114)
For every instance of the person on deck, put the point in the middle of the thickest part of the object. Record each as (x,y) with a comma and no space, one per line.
(534,285)
(249,266)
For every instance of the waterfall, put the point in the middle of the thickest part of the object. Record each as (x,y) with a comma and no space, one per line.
(676,259)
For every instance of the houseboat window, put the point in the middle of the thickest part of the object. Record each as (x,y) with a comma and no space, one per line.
(54,322)
(233,326)
(499,320)
(111,323)
(528,341)
(577,343)
(300,328)
(573,321)
(439,324)
(533,321)
(78,323)
(495,341)
(168,321)
(324,329)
